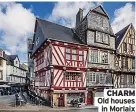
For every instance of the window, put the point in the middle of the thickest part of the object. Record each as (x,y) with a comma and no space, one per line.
(102,38)
(98,37)
(92,77)
(68,54)
(133,63)
(124,62)
(72,76)
(67,77)
(1,75)
(102,78)
(94,56)
(104,57)
(131,81)
(125,46)
(105,38)
(123,79)
(130,47)
(16,62)
(79,77)
(0,62)
(37,41)
(72,54)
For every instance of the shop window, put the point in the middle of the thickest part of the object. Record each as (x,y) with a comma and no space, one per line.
(80,97)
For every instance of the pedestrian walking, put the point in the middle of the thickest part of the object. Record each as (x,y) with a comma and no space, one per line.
(17,99)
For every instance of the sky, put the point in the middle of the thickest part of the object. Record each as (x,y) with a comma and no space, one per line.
(17,19)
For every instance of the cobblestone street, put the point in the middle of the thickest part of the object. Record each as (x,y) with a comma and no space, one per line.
(7,104)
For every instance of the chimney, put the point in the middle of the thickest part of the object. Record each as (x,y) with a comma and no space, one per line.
(79,17)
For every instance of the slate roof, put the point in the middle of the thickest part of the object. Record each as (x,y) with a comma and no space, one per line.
(57,32)
(120,35)
(10,60)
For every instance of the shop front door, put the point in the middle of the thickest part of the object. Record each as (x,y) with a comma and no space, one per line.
(90,98)
(61,100)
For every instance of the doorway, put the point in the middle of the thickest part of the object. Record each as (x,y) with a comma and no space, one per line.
(90,98)
(61,100)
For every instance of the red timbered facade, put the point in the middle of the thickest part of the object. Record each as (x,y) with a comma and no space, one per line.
(74,64)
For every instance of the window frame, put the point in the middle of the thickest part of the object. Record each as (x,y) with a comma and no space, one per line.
(106,57)
(125,47)
(94,55)
(103,76)
(101,36)
(131,79)
(124,65)
(71,74)
(69,53)
(92,76)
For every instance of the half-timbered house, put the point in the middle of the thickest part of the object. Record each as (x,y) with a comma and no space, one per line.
(60,62)
(125,58)
(95,30)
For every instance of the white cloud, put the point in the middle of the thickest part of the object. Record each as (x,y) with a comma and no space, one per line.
(7,52)
(65,12)
(17,24)
(123,16)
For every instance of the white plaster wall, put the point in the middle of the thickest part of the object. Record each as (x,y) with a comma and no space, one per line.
(3,69)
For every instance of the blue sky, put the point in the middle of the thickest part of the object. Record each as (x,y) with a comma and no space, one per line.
(44,9)
(17,19)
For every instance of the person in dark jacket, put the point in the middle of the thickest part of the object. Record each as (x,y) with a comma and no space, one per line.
(17,99)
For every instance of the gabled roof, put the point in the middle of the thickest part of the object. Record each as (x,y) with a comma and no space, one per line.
(10,60)
(120,35)
(99,8)
(57,32)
